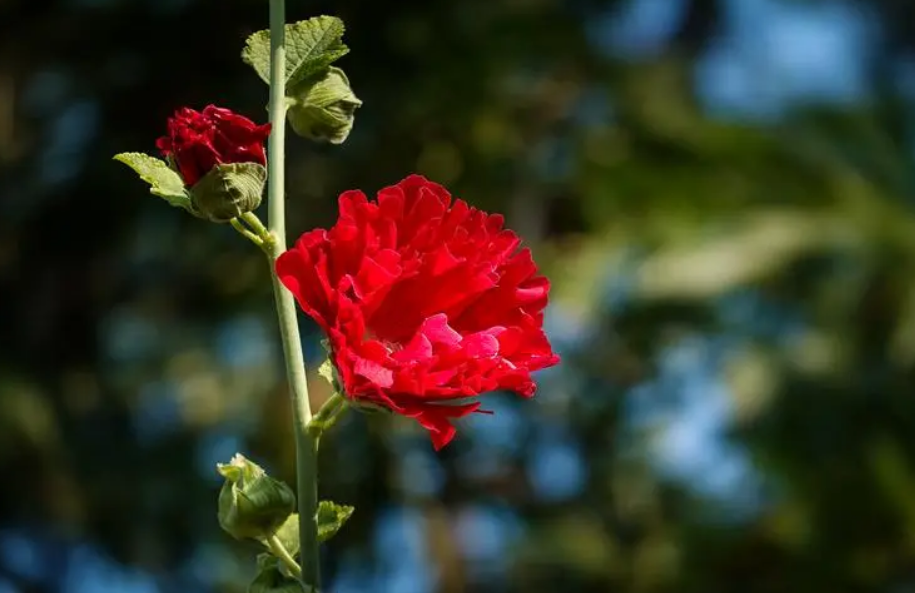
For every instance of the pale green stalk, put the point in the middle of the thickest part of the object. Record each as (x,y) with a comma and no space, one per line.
(306,451)
(279,550)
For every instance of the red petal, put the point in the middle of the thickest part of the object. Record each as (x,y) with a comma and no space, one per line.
(425,300)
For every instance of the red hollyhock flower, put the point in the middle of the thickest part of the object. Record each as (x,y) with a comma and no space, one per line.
(198,141)
(425,301)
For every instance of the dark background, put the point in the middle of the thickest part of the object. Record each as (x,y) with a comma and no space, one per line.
(721,191)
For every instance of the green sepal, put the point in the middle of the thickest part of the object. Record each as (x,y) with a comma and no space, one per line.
(228,191)
(251,503)
(370,409)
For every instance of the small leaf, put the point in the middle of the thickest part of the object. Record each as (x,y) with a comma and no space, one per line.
(311,46)
(164,182)
(271,578)
(266,560)
(288,534)
(331,517)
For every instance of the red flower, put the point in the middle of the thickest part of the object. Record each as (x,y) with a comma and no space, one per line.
(199,141)
(425,301)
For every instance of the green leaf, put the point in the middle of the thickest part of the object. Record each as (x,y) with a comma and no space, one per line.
(271,578)
(288,534)
(163,181)
(311,46)
(331,517)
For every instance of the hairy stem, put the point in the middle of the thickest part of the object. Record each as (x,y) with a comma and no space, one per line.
(306,451)
(245,232)
(255,223)
(327,416)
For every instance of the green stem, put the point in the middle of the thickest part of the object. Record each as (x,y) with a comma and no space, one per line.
(238,226)
(280,551)
(255,223)
(328,415)
(306,450)
(327,410)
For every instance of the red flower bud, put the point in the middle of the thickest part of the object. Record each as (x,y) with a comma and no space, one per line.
(198,141)
(425,301)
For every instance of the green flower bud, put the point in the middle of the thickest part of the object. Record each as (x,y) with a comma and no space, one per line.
(228,191)
(324,109)
(251,503)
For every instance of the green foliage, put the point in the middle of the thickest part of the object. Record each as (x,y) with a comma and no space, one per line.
(288,534)
(311,46)
(164,182)
(331,517)
(272,577)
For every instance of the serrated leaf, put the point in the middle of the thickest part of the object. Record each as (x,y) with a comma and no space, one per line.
(331,517)
(311,46)
(163,181)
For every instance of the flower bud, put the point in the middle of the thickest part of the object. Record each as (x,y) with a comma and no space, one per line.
(228,191)
(220,157)
(325,109)
(251,503)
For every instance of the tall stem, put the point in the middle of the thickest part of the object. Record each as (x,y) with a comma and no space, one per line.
(306,451)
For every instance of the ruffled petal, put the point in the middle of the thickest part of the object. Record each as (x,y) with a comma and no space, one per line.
(426,301)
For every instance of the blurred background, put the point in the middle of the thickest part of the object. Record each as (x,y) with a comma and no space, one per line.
(721,191)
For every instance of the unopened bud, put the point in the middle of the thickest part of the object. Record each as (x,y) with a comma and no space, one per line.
(324,110)
(251,503)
